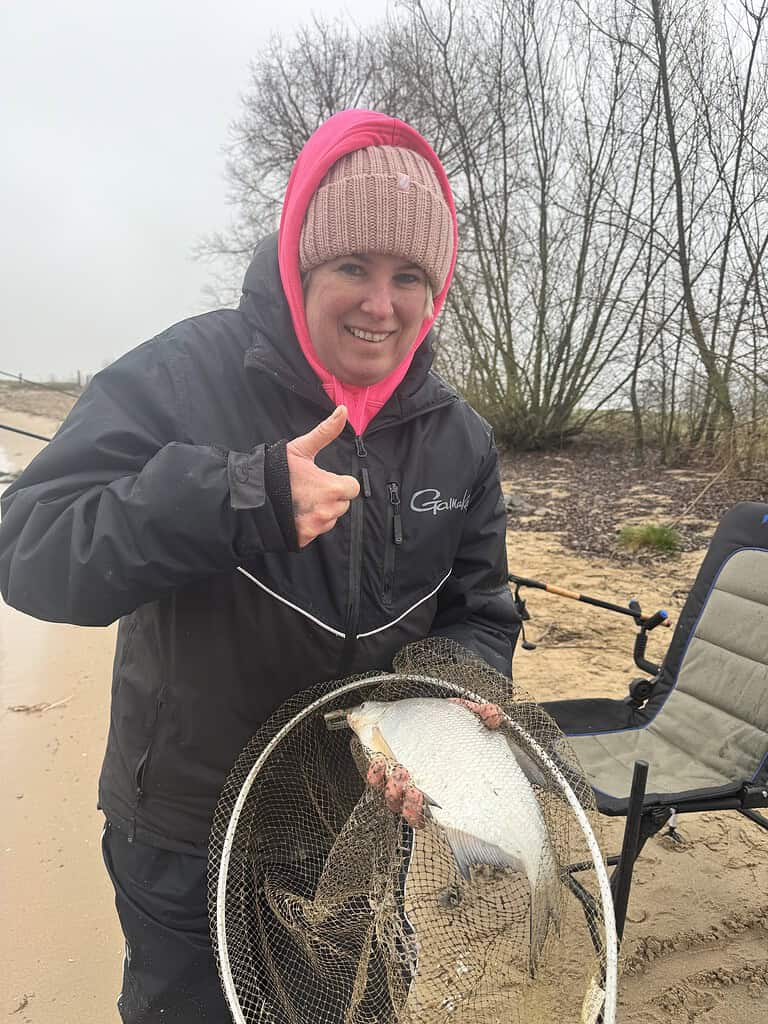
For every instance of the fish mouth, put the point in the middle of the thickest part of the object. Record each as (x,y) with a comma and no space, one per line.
(340,719)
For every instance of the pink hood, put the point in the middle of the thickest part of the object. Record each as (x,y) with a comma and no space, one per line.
(343,133)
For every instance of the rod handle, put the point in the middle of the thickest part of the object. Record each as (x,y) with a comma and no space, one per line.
(562,592)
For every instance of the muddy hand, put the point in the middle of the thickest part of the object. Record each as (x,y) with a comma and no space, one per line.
(319,498)
(400,795)
(490,715)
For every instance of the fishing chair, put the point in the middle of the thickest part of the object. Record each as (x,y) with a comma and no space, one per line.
(695,736)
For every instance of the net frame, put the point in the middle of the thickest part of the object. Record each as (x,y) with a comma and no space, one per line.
(610,967)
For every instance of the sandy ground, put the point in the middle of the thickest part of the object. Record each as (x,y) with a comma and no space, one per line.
(696,943)
(60,944)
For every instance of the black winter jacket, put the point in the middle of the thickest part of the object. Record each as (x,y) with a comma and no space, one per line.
(150,505)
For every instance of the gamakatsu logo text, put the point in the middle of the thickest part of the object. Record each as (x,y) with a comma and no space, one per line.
(431,500)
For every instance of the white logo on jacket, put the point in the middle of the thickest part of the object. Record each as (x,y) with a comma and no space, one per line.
(431,500)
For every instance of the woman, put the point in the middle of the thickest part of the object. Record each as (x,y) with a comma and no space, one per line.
(244,567)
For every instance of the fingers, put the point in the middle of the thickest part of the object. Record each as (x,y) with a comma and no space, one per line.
(308,445)
(400,795)
(326,494)
(335,486)
(413,807)
(324,514)
(376,776)
(394,791)
(347,487)
(322,518)
(319,497)
(490,715)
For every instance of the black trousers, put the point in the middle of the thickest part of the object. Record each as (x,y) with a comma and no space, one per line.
(169,972)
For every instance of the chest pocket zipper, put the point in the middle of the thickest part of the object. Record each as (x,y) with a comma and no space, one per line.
(394,541)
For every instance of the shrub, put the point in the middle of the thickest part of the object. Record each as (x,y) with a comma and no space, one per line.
(649,535)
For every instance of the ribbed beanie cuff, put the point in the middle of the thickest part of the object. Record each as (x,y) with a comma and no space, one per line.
(383,199)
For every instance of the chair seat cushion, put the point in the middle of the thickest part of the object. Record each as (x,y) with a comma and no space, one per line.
(705,730)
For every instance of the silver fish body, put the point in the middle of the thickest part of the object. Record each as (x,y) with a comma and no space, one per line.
(479,794)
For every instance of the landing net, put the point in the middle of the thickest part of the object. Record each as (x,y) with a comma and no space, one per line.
(327,908)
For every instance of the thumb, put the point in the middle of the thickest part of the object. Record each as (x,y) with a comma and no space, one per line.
(320,436)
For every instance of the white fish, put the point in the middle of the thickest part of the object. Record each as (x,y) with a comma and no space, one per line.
(478,784)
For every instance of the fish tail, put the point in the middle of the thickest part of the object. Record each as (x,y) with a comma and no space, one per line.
(545,908)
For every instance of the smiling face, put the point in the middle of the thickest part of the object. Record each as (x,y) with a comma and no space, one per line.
(364,311)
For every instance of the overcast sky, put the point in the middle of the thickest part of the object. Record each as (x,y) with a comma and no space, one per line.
(115,118)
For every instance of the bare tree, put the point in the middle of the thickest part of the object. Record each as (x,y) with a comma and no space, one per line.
(609,164)
(546,183)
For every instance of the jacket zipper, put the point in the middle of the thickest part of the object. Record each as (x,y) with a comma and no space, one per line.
(394,540)
(140,775)
(356,512)
(356,559)
(365,478)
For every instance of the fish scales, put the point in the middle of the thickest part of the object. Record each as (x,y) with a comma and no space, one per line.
(479,794)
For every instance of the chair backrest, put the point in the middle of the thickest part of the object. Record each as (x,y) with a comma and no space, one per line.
(711,699)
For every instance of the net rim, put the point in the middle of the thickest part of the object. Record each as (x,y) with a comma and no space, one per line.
(604,886)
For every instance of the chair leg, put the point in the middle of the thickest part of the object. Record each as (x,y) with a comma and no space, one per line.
(756,816)
(633,842)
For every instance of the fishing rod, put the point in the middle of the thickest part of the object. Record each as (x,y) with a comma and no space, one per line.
(659,618)
(39,384)
(33,384)
(25,433)
(644,623)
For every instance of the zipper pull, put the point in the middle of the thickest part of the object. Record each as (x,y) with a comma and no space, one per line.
(365,475)
(397,522)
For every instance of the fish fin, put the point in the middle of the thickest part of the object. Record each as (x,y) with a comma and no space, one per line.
(528,766)
(380,745)
(469,851)
(594,1001)
(545,907)
(429,803)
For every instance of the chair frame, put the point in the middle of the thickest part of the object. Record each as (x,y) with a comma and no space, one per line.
(646,814)
(643,821)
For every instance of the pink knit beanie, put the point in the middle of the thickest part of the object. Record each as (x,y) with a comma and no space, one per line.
(384,199)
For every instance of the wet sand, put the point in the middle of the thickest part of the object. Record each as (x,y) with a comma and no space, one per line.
(60,946)
(697,936)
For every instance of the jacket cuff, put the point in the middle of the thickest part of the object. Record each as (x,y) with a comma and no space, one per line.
(245,472)
(260,522)
(277,480)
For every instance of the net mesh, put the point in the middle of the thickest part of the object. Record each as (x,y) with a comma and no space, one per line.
(326,907)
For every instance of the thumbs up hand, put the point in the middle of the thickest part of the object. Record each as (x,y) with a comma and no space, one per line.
(319,498)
